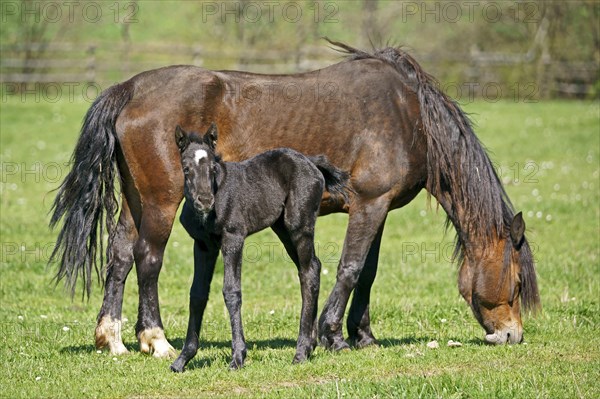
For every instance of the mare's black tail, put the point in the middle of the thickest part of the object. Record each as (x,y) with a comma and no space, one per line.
(336,180)
(87,195)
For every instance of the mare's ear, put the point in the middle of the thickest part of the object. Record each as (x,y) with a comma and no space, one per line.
(211,135)
(517,229)
(181,138)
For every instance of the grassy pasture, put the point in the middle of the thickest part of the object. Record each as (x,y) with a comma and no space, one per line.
(548,156)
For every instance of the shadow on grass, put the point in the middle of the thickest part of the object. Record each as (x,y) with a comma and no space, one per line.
(273,343)
(417,340)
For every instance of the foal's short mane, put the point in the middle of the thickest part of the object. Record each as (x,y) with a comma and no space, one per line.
(199,139)
(459,172)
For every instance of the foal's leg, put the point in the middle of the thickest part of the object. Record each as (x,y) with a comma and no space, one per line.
(363,226)
(205,257)
(358,323)
(300,247)
(155,228)
(232,247)
(108,330)
(309,273)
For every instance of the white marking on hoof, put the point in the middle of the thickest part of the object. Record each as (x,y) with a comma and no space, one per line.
(153,341)
(108,333)
(199,154)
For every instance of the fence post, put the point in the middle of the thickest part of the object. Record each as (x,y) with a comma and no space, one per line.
(91,64)
(196,56)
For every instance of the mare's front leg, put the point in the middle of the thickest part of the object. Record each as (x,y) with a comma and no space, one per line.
(366,217)
(205,257)
(233,245)
(359,322)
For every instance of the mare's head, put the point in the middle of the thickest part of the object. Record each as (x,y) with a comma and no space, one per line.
(200,165)
(497,281)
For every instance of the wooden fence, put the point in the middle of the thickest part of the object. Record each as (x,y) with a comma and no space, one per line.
(25,65)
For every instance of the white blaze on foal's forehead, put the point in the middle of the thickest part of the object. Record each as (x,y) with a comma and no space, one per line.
(199,154)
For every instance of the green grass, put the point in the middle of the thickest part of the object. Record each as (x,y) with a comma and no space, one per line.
(549,157)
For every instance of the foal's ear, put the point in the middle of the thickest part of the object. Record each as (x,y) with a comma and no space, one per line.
(517,229)
(181,138)
(211,135)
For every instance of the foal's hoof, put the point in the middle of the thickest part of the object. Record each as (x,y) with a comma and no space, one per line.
(235,365)
(300,358)
(176,368)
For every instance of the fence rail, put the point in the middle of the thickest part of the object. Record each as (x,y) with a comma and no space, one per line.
(43,63)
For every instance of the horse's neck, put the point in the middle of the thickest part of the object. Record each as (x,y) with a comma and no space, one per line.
(472,237)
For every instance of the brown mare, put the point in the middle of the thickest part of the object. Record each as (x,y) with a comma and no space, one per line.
(378,116)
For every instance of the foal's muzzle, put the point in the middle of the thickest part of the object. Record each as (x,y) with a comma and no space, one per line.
(204,206)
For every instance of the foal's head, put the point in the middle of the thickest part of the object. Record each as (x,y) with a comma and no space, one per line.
(200,165)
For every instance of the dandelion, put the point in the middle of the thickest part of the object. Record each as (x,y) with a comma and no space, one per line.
(20,317)
(423,213)
(65,328)
(538,214)
(272,312)
(43,316)
(38,378)
(548,218)
(325,271)
(98,351)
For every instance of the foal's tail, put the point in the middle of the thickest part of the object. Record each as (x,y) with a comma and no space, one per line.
(87,195)
(336,180)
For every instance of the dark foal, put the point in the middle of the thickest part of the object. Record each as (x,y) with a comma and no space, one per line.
(228,201)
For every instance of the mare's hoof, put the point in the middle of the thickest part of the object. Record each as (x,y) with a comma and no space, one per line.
(108,334)
(153,341)
(334,344)
(364,342)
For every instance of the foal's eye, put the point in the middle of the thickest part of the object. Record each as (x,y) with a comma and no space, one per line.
(186,170)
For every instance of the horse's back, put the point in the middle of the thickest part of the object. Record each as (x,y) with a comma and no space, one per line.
(360,114)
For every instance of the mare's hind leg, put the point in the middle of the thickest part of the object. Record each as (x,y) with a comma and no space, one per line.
(363,226)
(154,231)
(359,323)
(299,244)
(108,329)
